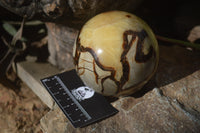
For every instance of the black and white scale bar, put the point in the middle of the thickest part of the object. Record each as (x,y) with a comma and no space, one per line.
(79,112)
(70,103)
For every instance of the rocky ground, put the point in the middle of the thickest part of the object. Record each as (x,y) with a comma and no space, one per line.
(20,109)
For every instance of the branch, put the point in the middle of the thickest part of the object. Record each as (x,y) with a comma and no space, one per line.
(179,42)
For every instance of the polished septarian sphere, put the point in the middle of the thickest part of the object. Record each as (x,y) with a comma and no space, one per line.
(116,53)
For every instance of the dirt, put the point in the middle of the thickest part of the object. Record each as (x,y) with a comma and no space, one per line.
(20,109)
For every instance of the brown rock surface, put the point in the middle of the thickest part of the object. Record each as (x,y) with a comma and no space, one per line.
(60,45)
(151,113)
(20,110)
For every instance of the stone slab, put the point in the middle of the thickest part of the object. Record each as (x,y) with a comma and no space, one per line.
(31,72)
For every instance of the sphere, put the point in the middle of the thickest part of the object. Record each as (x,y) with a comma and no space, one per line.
(115,53)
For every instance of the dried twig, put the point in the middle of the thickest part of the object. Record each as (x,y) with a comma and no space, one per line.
(12,49)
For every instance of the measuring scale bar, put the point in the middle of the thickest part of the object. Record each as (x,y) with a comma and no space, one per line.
(67,89)
(69,105)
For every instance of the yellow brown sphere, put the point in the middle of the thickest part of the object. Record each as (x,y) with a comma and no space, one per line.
(116,53)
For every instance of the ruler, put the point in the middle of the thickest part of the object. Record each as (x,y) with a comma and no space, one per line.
(80,104)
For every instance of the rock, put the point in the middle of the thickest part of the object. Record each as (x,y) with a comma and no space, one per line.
(187,92)
(30,72)
(74,12)
(60,44)
(54,118)
(1,109)
(20,111)
(151,113)
(83,10)
(178,76)
(194,34)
